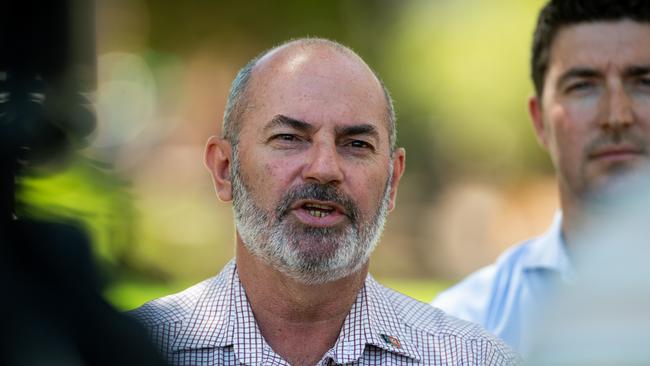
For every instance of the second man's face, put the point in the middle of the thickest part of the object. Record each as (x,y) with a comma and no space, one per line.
(594,116)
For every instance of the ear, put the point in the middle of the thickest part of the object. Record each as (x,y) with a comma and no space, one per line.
(218,157)
(399,163)
(535,112)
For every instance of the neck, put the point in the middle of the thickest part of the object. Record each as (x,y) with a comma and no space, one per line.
(300,322)
(577,218)
(572,216)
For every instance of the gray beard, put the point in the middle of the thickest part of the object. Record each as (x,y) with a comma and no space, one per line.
(269,236)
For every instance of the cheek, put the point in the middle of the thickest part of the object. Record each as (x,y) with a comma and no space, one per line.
(571,124)
(566,134)
(643,114)
(275,178)
(369,189)
(267,169)
(269,172)
(584,111)
(269,176)
(263,178)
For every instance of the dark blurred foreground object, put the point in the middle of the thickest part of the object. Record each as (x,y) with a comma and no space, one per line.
(52,309)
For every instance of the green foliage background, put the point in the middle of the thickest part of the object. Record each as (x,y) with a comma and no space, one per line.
(458,72)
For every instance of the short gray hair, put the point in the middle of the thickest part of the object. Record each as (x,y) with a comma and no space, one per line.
(238,99)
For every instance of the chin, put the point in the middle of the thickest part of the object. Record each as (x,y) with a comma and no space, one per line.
(621,182)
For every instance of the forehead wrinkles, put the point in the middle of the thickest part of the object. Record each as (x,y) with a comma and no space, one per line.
(323,64)
(329,76)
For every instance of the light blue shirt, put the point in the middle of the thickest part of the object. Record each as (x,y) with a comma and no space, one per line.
(506,296)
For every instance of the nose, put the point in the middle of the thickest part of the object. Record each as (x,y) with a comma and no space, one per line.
(323,165)
(620,111)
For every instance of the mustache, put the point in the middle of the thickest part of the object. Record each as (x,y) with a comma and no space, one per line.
(320,192)
(617,138)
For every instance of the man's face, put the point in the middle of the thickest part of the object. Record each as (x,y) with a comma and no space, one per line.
(312,174)
(594,116)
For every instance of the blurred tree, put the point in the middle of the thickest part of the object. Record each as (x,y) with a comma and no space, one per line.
(458,72)
(464,65)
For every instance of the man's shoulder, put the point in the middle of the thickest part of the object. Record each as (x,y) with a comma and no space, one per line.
(509,262)
(433,326)
(173,308)
(176,307)
(471,298)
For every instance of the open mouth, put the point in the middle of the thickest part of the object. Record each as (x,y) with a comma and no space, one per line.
(319,213)
(318,210)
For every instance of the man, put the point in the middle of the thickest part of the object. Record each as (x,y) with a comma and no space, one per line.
(309,159)
(591,112)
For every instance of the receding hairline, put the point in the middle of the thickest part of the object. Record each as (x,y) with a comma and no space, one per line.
(305,43)
(281,52)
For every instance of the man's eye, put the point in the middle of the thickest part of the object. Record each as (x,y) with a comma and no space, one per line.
(285,137)
(359,144)
(286,141)
(579,86)
(644,82)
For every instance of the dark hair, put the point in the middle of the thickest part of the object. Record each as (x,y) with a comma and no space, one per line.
(237,98)
(561,13)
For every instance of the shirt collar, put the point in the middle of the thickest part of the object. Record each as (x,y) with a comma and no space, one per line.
(249,345)
(372,321)
(222,317)
(549,250)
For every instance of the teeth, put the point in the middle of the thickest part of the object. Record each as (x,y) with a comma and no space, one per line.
(316,205)
(317,213)
(318,210)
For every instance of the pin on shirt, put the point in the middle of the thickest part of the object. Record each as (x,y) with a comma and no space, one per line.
(391,340)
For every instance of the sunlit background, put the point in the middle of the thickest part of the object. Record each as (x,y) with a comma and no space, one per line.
(476,180)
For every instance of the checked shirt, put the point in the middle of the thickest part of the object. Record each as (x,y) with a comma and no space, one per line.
(212,323)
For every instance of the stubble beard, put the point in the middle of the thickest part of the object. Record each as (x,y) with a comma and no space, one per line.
(310,255)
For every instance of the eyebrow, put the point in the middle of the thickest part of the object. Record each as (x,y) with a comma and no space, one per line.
(296,124)
(637,70)
(578,72)
(360,129)
(582,72)
(284,121)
